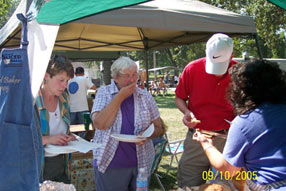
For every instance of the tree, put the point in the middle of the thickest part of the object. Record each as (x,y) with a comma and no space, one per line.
(7,8)
(4,8)
(270,23)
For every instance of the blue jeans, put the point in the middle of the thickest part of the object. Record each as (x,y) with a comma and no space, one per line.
(20,135)
(119,179)
(77,117)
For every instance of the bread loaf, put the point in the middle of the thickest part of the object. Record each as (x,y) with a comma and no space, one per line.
(211,187)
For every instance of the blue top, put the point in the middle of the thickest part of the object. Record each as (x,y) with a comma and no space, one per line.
(125,155)
(256,141)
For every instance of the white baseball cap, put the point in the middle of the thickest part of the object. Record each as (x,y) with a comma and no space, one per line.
(218,53)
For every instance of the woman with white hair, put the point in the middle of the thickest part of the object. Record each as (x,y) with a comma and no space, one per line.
(123,108)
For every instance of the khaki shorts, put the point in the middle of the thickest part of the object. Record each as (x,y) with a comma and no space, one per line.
(194,161)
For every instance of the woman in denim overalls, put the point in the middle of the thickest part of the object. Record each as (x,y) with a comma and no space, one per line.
(20,136)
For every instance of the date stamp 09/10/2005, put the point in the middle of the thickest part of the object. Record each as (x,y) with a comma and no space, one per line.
(237,175)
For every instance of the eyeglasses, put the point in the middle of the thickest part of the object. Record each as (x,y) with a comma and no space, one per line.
(128,76)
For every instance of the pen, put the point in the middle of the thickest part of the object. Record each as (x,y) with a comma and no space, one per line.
(227,121)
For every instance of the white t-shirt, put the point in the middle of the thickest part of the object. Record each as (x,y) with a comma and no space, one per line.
(77,88)
(176,78)
(56,122)
(57,125)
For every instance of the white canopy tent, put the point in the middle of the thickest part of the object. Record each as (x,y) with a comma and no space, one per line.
(151,25)
(161,68)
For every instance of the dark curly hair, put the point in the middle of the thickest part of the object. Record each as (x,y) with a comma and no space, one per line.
(254,83)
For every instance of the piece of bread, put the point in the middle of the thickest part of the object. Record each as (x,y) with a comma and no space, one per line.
(194,120)
(239,184)
(211,187)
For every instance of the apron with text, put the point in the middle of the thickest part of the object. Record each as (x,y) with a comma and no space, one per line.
(20,135)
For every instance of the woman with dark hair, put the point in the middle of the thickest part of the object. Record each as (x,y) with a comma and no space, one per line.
(255,141)
(53,106)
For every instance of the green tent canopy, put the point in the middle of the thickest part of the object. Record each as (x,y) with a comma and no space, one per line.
(64,11)
(279,3)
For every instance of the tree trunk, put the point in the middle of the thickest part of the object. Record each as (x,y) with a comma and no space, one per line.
(107,72)
(176,72)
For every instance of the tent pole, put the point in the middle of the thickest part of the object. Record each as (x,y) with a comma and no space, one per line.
(258,46)
(147,68)
(155,65)
(28,3)
(107,72)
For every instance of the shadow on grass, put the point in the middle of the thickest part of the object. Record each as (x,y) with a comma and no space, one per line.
(167,101)
(168,181)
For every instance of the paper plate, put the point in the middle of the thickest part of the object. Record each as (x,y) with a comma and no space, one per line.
(128,138)
(148,132)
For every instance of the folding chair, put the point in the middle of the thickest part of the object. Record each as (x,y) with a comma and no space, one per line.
(89,133)
(87,120)
(173,148)
(159,150)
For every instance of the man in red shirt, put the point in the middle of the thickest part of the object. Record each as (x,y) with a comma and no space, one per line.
(201,97)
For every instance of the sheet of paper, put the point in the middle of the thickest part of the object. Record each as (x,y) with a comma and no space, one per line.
(79,145)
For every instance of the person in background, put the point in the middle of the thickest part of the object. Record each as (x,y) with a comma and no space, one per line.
(166,78)
(123,108)
(154,87)
(255,140)
(77,88)
(161,135)
(53,106)
(176,79)
(141,85)
(201,97)
(161,87)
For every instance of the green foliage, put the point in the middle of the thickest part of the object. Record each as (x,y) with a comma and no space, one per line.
(7,8)
(179,56)
(89,64)
(4,8)
(270,22)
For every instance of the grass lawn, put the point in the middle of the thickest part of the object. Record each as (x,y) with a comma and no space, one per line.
(176,130)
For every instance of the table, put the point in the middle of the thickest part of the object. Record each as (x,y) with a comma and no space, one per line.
(80,128)
(91,92)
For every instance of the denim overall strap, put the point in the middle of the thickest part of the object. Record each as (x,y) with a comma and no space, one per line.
(24,39)
(20,138)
